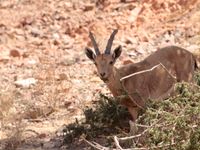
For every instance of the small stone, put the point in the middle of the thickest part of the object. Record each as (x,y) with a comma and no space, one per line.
(36,32)
(25,83)
(15,53)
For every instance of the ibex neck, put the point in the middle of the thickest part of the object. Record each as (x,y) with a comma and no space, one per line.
(114,84)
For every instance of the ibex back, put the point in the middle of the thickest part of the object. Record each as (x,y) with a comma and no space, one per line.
(173,64)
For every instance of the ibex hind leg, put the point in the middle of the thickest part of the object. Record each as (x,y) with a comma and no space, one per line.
(185,72)
(185,77)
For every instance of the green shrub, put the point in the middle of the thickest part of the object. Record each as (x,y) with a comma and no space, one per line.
(106,118)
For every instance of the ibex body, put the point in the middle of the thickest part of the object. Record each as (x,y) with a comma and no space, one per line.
(176,64)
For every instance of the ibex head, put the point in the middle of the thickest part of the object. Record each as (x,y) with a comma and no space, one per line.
(104,62)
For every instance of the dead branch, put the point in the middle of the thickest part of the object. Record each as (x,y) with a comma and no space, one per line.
(167,71)
(33,131)
(117,143)
(139,72)
(95,145)
(148,70)
(134,136)
(162,146)
(141,125)
(139,135)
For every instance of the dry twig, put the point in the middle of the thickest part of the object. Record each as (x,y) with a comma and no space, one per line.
(95,145)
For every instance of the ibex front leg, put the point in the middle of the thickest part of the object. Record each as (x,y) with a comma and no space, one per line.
(133,109)
(134,112)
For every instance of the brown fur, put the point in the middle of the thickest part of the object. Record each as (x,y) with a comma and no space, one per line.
(179,62)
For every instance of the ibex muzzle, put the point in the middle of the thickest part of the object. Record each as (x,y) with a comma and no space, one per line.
(153,78)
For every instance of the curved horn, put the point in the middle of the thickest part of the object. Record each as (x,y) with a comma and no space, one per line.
(110,41)
(94,43)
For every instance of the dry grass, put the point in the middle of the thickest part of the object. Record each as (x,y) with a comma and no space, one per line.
(17,105)
(15,137)
(11,125)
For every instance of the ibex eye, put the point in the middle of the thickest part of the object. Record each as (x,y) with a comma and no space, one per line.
(111,62)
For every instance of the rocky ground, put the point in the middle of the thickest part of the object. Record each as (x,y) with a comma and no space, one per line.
(45,76)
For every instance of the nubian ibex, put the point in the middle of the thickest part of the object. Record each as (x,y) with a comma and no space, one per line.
(152,78)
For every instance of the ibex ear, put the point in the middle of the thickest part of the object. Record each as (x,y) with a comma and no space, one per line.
(90,54)
(117,52)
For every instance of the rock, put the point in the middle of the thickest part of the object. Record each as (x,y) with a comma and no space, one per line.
(134,14)
(36,32)
(32,62)
(14,53)
(88,7)
(25,83)
(62,76)
(56,36)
